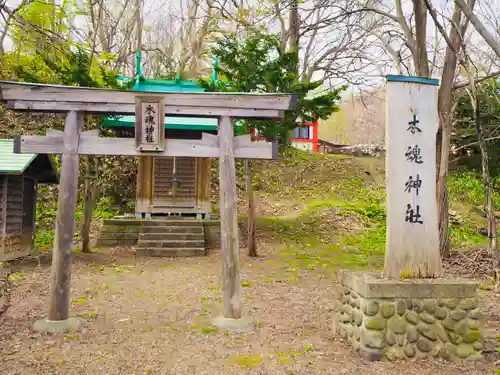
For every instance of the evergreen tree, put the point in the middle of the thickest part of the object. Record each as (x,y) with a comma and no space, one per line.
(256,64)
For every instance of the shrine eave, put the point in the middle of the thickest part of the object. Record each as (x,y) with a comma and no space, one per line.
(184,123)
(413,79)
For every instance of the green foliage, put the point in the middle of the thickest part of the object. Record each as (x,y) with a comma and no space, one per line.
(44,239)
(464,235)
(103,209)
(468,186)
(76,69)
(39,59)
(258,65)
(464,134)
(44,23)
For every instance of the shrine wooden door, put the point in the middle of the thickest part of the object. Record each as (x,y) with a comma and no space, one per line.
(174,184)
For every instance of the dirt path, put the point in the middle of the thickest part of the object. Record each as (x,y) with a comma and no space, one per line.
(152,316)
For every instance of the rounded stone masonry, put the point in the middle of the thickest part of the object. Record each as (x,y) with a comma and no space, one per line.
(396,319)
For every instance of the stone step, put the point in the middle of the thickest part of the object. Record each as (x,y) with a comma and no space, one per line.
(154,236)
(171,244)
(172,252)
(172,229)
(172,222)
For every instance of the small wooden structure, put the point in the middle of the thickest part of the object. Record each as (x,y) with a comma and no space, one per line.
(171,185)
(19,175)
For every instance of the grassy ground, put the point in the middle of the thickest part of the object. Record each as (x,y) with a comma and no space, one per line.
(316,214)
(332,209)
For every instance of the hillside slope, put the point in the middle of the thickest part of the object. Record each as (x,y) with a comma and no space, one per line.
(333,207)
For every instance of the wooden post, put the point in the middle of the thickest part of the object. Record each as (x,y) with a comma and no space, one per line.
(229,221)
(412,217)
(91,193)
(252,245)
(65,220)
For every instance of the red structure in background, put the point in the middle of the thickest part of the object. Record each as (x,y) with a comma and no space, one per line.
(305,136)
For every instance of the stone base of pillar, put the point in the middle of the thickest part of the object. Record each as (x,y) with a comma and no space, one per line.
(56,326)
(234,325)
(402,319)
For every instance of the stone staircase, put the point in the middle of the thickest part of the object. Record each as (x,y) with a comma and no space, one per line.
(171,238)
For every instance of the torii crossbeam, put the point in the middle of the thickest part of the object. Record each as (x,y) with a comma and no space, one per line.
(78,101)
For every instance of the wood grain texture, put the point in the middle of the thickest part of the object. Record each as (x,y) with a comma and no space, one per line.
(91,145)
(14,214)
(412,247)
(165,192)
(148,182)
(53,132)
(129,109)
(158,134)
(65,219)
(140,192)
(14,255)
(48,93)
(243,140)
(229,221)
(204,180)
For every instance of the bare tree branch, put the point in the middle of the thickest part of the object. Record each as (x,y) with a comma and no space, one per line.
(478,25)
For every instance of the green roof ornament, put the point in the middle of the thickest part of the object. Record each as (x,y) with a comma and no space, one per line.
(138,66)
(143,84)
(215,70)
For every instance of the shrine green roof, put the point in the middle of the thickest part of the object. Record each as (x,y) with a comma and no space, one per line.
(148,85)
(152,85)
(186,123)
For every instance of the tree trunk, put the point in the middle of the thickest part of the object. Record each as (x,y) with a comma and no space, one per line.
(445,111)
(490,213)
(294,26)
(488,198)
(420,58)
(91,193)
(252,245)
(2,39)
(478,25)
(488,203)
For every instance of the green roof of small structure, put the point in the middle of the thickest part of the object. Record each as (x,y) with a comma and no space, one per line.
(177,85)
(10,162)
(186,123)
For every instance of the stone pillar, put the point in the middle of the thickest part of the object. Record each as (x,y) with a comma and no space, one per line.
(412,217)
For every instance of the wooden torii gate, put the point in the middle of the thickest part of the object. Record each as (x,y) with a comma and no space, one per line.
(78,101)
